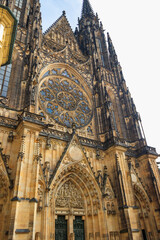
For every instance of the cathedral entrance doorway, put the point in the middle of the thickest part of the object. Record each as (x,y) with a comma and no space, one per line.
(78,227)
(75,198)
(60,228)
(63,228)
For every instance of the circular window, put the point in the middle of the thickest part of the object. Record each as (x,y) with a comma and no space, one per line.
(64,99)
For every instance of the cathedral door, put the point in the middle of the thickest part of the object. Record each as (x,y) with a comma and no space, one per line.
(60,228)
(78,226)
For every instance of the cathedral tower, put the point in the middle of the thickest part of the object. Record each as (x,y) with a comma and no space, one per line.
(74,161)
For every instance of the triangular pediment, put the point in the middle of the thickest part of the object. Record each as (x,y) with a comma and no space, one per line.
(61,32)
(107,190)
(61,27)
(73,171)
(72,155)
(60,36)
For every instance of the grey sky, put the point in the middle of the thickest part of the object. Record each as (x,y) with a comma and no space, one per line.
(134,29)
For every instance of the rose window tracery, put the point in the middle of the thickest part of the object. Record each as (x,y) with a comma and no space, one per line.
(64,99)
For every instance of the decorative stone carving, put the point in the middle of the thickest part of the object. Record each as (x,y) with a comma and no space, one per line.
(40,196)
(71,236)
(65,109)
(91,236)
(109,193)
(111,208)
(75,153)
(67,160)
(114,235)
(3,188)
(134,178)
(69,196)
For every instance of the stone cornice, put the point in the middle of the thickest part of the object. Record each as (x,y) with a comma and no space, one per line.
(36,121)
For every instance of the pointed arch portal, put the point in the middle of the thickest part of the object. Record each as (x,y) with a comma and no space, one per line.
(76,199)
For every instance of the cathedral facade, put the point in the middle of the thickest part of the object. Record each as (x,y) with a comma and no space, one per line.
(74,162)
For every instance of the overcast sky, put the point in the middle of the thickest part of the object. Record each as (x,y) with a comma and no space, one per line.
(134,29)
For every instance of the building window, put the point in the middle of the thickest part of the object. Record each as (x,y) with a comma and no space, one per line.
(5,73)
(101,51)
(17,14)
(1,32)
(19,3)
(100,45)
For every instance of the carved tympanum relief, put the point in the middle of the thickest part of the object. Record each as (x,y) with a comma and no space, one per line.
(69,196)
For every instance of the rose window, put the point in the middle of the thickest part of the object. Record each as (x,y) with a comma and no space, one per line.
(64,99)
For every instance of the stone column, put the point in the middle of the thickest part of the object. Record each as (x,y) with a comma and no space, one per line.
(70,229)
(127,194)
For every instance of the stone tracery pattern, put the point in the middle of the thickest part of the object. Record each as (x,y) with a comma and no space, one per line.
(3,188)
(69,196)
(63,98)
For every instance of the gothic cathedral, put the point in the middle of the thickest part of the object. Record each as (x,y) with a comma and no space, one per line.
(74,162)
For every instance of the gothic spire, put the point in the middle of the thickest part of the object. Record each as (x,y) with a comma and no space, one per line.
(112,52)
(87,9)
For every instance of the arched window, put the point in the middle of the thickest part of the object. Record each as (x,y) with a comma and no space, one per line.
(5,73)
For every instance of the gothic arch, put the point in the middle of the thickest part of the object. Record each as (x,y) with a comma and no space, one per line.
(144,212)
(69,188)
(63,96)
(86,183)
(142,197)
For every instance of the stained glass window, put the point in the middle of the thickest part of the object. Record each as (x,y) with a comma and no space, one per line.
(5,72)
(62,98)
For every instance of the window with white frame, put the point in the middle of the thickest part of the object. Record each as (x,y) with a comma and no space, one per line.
(17,10)
(17,14)
(19,3)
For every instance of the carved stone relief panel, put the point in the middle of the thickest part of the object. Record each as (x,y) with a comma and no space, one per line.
(109,195)
(68,196)
(114,235)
